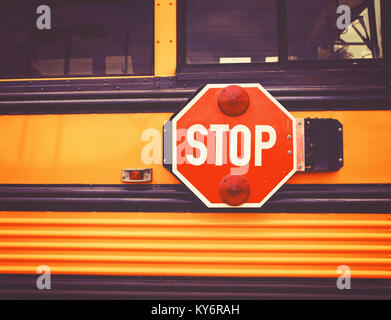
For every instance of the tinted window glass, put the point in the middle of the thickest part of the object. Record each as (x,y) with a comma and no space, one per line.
(231,31)
(86,38)
(313,33)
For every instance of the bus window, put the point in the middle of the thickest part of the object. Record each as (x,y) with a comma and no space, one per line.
(264,31)
(88,38)
(313,32)
(231,31)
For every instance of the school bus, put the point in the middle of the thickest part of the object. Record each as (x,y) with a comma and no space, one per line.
(85,89)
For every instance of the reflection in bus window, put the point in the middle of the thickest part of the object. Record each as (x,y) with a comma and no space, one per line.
(87,38)
(313,32)
(230,31)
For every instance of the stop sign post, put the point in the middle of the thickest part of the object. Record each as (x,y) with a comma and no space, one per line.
(233,145)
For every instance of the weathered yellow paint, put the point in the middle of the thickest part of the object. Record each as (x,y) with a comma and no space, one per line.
(165,38)
(198,244)
(366,146)
(93,148)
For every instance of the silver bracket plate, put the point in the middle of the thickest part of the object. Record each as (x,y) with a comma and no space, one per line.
(300,145)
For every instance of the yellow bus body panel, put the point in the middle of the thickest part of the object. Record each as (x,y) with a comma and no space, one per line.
(196,244)
(93,148)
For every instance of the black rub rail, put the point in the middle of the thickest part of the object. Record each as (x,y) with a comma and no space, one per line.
(183,288)
(172,100)
(369,198)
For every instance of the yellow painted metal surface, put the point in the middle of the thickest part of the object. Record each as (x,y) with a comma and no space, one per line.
(93,148)
(165,38)
(90,148)
(198,244)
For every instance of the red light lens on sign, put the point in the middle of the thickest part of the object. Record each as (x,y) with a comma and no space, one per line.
(233,100)
(234,190)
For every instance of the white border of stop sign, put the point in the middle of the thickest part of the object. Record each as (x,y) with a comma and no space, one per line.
(174,146)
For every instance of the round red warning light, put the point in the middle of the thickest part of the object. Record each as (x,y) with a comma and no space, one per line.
(233,100)
(234,190)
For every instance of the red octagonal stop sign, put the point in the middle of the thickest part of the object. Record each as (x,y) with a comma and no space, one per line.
(233,145)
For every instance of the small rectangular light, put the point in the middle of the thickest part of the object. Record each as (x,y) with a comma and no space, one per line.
(136,175)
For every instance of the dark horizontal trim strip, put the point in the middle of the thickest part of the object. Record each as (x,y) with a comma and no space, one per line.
(369,198)
(186,93)
(155,105)
(108,94)
(183,288)
(172,100)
